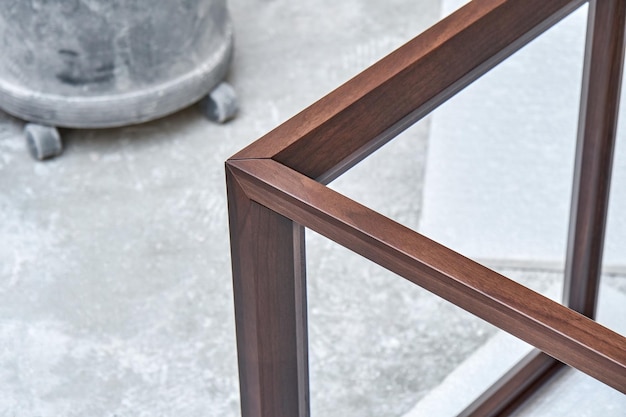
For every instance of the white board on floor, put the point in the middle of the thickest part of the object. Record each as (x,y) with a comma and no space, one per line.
(501,153)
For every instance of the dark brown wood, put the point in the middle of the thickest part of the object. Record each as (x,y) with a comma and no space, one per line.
(267,252)
(560,332)
(351,122)
(596,138)
(602,77)
(502,398)
(272,178)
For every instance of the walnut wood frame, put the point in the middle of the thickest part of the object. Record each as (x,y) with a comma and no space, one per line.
(276,188)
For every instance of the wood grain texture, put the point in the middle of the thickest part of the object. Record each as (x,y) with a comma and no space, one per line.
(269,284)
(602,76)
(560,332)
(271,191)
(596,140)
(351,122)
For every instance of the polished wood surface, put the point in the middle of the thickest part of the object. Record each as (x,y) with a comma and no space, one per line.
(267,252)
(602,78)
(600,94)
(555,329)
(275,187)
(351,122)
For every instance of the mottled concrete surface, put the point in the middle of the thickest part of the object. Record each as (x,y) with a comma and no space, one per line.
(569,393)
(115,295)
(115,287)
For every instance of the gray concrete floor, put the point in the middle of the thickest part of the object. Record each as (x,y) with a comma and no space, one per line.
(116,296)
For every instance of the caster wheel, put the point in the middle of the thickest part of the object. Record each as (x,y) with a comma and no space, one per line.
(221,104)
(43,141)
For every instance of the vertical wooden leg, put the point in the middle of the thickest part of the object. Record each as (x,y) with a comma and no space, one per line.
(270,308)
(602,76)
(596,138)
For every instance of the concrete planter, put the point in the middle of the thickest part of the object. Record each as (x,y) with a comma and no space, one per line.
(92,64)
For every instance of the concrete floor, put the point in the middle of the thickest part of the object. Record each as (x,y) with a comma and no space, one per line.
(115,295)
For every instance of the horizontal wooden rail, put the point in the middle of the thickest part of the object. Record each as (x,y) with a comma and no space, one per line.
(275,187)
(560,332)
(354,120)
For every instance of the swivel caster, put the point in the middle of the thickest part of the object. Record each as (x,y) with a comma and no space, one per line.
(43,141)
(220,105)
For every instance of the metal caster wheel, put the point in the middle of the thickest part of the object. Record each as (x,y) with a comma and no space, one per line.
(221,104)
(43,141)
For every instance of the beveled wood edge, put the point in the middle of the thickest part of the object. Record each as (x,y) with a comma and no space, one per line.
(269,288)
(304,142)
(556,330)
(348,124)
(600,94)
(599,114)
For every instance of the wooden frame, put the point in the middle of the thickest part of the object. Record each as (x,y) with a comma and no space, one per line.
(276,188)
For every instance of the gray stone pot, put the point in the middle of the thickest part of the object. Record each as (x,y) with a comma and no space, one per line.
(104,63)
